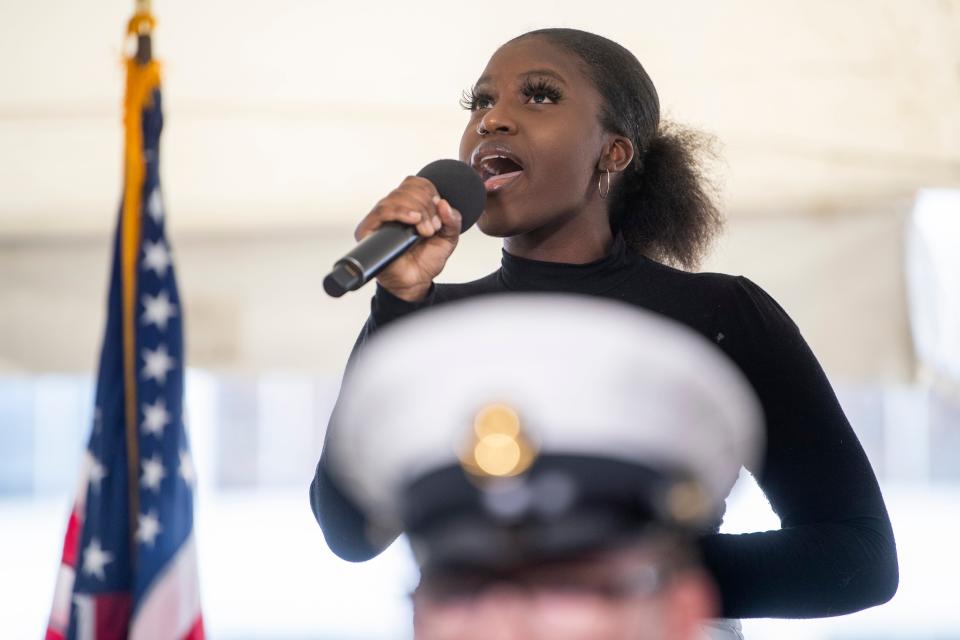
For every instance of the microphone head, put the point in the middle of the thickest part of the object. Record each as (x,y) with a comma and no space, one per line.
(459,185)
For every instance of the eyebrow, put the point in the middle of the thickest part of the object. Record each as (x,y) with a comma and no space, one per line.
(526,74)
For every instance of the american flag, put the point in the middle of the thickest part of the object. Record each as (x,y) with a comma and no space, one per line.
(129,565)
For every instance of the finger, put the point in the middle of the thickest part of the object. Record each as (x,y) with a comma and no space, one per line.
(420,185)
(427,228)
(404,206)
(412,197)
(376,218)
(417,200)
(450,218)
(431,222)
(436,220)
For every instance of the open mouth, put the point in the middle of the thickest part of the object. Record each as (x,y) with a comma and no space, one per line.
(498,171)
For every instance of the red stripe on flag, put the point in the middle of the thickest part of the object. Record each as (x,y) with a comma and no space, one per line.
(72,540)
(53,635)
(196,633)
(112,617)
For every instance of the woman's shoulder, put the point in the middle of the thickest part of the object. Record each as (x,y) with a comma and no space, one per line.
(705,279)
(736,290)
(701,281)
(730,305)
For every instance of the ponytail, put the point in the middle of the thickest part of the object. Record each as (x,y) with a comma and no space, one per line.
(664,204)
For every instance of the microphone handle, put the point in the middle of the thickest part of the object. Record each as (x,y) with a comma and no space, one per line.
(369,257)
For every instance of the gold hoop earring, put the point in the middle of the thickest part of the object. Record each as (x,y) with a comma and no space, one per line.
(603,194)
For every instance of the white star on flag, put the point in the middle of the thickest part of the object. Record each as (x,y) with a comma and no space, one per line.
(186,468)
(148,528)
(155,206)
(158,310)
(97,419)
(153,473)
(156,257)
(158,364)
(155,417)
(95,559)
(97,472)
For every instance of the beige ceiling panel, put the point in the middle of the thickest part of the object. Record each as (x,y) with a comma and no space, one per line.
(293,113)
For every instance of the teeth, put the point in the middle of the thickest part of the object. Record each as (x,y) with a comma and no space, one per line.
(492,170)
(484,163)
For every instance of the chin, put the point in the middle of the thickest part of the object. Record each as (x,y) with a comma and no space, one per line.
(504,222)
(494,223)
(491,228)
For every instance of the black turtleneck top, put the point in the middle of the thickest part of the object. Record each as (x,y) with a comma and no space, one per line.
(834,552)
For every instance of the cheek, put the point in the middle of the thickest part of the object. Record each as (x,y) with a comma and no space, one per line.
(468,140)
(565,162)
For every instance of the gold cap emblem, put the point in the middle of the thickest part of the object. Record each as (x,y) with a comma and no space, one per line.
(497,446)
(686,503)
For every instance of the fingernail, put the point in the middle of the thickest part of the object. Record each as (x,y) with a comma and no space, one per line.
(437,223)
(436,199)
(417,215)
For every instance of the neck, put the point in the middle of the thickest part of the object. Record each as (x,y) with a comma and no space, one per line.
(578,240)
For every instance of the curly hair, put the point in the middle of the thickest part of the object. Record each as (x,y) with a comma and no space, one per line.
(664,204)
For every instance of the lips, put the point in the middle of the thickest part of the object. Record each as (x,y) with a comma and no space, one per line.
(497,165)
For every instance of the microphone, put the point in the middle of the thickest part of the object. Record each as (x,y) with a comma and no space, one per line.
(456,182)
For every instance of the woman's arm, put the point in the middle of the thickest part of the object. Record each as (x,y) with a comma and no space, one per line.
(835,552)
(345,529)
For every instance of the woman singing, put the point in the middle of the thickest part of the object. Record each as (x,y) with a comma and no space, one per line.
(592,194)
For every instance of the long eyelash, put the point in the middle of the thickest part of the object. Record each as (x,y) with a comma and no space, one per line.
(541,87)
(470,98)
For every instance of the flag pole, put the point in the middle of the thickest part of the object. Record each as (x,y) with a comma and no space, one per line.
(144,29)
(143,77)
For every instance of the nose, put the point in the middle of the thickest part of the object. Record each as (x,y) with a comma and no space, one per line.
(496,119)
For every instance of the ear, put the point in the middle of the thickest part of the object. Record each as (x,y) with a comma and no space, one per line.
(617,154)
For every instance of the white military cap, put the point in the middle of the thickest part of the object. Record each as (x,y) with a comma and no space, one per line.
(500,427)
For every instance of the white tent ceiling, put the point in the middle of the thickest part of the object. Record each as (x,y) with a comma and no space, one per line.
(287,119)
(299,112)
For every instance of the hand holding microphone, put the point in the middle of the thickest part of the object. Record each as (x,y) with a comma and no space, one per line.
(408,236)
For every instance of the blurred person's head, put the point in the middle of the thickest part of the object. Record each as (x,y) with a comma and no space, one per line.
(650,588)
(552,480)
(566,117)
